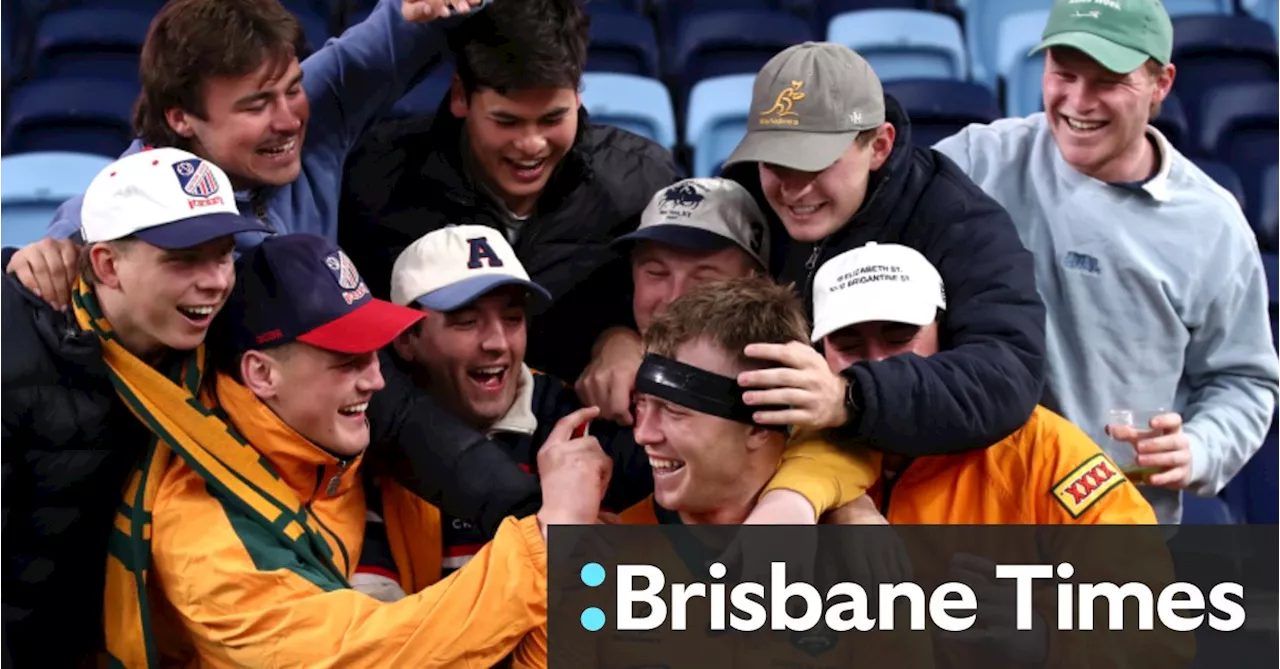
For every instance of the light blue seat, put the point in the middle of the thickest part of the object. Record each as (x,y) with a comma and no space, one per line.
(717,120)
(1264,10)
(637,104)
(34,184)
(1023,74)
(982,32)
(904,43)
(1198,7)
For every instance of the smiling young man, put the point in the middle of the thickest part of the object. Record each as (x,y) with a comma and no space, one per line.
(1148,306)
(511,148)
(257,515)
(155,268)
(222,79)
(469,353)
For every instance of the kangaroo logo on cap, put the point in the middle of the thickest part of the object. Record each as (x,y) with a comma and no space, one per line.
(481,249)
(195,177)
(783,106)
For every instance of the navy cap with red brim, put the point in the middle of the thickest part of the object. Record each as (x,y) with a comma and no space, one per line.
(368,328)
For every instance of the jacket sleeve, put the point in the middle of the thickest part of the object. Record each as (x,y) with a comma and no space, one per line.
(827,476)
(245,605)
(357,77)
(989,373)
(443,460)
(1229,378)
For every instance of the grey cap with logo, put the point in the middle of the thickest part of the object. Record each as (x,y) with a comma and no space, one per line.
(808,104)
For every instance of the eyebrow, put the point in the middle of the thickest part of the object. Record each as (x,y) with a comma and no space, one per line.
(508,116)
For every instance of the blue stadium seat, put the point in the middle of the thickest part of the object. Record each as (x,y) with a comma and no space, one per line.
(623,43)
(939,109)
(1265,209)
(904,43)
(671,13)
(1023,74)
(717,120)
(1239,124)
(315,26)
(638,104)
(35,184)
(1178,8)
(1254,492)
(982,31)
(1172,122)
(72,115)
(1224,176)
(90,42)
(824,11)
(1211,51)
(425,98)
(1198,510)
(721,43)
(1263,10)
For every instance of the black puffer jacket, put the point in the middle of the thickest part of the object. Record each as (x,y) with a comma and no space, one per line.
(406,179)
(988,377)
(68,448)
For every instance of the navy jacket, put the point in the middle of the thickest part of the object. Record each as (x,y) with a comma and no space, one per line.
(989,375)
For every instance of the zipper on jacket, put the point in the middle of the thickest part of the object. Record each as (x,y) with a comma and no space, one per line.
(331,488)
(811,266)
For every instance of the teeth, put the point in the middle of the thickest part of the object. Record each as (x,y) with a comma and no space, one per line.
(1083,125)
(809,209)
(354,408)
(286,147)
(198,311)
(527,164)
(666,465)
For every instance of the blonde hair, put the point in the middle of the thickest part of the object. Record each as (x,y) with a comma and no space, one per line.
(732,314)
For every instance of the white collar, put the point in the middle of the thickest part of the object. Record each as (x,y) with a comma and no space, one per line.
(520,418)
(1158,185)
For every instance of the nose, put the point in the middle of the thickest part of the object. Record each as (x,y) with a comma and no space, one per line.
(494,338)
(794,184)
(215,276)
(646,429)
(532,143)
(370,379)
(286,119)
(877,351)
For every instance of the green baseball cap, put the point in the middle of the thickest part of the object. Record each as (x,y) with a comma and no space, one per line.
(808,104)
(1120,34)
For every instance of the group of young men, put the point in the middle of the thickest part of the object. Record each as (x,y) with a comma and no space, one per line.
(226,442)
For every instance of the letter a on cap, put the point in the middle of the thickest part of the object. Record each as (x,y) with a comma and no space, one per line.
(480,249)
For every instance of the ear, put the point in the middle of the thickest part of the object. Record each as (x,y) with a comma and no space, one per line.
(882,145)
(760,438)
(260,373)
(1164,82)
(104,258)
(180,121)
(459,105)
(403,345)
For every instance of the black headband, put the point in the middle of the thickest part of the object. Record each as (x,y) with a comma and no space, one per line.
(697,389)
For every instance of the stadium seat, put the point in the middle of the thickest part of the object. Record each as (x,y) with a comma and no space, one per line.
(722,43)
(717,120)
(1023,74)
(638,104)
(1178,8)
(425,98)
(1265,209)
(939,109)
(1239,124)
(623,43)
(90,42)
(904,43)
(824,11)
(35,184)
(1254,492)
(1198,510)
(1172,122)
(1224,176)
(982,31)
(1212,51)
(671,13)
(315,26)
(1263,10)
(72,115)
